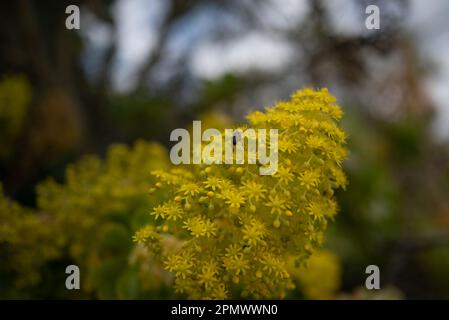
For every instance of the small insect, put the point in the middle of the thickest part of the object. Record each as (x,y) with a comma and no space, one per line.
(236,137)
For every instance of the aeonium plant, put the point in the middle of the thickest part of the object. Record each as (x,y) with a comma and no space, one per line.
(236,230)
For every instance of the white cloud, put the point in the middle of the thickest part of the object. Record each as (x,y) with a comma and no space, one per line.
(251,51)
(137,32)
(285,13)
(346,17)
(428,22)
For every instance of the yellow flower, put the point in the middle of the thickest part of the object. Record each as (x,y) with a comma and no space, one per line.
(236,264)
(190,189)
(284,174)
(159,212)
(321,277)
(286,145)
(317,210)
(142,235)
(253,190)
(316,142)
(254,232)
(322,209)
(309,179)
(277,204)
(213,183)
(172,210)
(181,264)
(199,226)
(274,266)
(207,277)
(256,117)
(234,200)
(219,292)
(234,241)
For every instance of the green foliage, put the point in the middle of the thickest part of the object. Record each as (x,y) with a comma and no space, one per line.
(138,115)
(27,242)
(89,220)
(15,96)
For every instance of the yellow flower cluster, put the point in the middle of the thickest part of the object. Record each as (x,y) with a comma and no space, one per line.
(320,277)
(27,242)
(238,229)
(99,207)
(89,220)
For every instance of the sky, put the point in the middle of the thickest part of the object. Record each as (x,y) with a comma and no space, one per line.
(138,22)
(429,21)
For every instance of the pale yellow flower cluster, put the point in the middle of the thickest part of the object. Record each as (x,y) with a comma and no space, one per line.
(238,229)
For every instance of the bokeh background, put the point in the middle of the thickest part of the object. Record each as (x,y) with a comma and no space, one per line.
(73,103)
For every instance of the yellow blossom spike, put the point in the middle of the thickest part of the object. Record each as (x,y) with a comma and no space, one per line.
(238,229)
